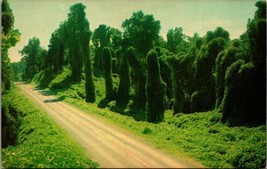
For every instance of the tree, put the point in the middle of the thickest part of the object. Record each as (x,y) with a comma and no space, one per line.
(141,32)
(124,74)
(70,44)
(17,68)
(155,89)
(116,38)
(240,105)
(9,38)
(176,40)
(181,70)
(138,76)
(80,34)
(203,98)
(223,61)
(32,56)
(7,17)
(76,22)
(108,72)
(101,39)
(244,97)
(165,70)
(55,57)
(89,82)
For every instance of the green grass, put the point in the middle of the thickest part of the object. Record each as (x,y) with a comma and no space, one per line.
(198,135)
(40,142)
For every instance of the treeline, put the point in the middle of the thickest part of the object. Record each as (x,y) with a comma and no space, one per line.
(188,74)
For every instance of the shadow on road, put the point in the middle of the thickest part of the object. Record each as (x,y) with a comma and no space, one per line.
(55,100)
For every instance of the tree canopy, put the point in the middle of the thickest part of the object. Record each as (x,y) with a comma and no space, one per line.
(141,31)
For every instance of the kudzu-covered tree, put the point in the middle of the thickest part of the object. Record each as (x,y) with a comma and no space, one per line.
(245,80)
(108,72)
(176,40)
(223,61)
(257,45)
(33,57)
(165,70)
(76,19)
(114,61)
(80,51)
(203,97)
(124,74)
(89,82)
(142,32)
(138,76)
(101,39)
(155,89)
(55,57)
(181,70)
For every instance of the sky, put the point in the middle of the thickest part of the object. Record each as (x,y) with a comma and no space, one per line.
(40,18)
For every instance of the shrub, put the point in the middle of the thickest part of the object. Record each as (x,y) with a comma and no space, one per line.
(249,157)
(147,130)
(11,122)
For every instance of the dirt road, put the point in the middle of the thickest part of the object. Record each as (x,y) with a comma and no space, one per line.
(110,147)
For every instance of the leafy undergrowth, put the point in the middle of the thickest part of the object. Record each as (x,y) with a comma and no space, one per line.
(199,135)
(40,142)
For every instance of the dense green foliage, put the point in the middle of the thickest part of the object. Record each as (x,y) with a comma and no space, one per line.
(69,46)
(145,25)
(176,40)
(199,135)
(138,76)
(89,83)
(195,69)
(155,89)
(108,72)
(17,70)
(7,17)
(9,38)
(33,57)
(148,28)
(37,142)
(223,78)
(10,123)
(124,74)
(244,98)
(101,39)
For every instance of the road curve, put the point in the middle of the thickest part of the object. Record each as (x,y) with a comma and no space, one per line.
(110,147)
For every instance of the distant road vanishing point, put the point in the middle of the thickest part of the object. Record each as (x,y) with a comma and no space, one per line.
(108,145)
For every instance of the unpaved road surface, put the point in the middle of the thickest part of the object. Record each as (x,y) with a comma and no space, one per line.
(110,147)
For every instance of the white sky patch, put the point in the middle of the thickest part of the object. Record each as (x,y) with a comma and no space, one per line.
(62,7)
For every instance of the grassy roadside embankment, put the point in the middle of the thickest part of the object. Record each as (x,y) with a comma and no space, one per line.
(39,143)
(198,135)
